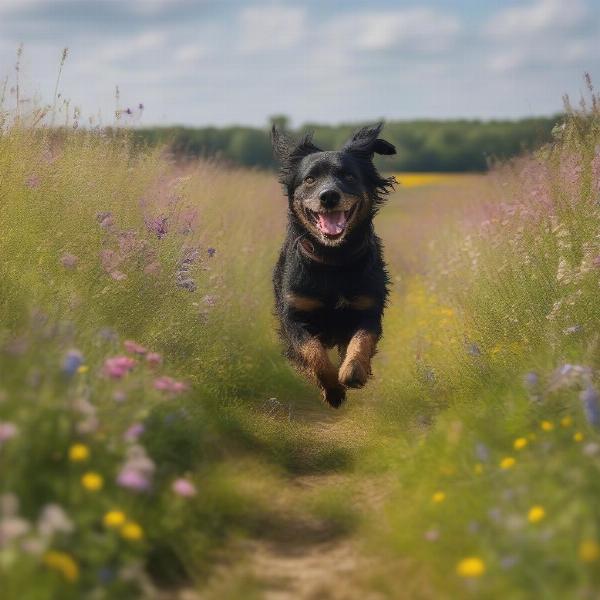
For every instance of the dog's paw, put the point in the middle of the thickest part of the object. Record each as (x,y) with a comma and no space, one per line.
(353,374)
(334,396)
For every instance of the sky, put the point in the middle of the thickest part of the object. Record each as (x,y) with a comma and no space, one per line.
(200,62)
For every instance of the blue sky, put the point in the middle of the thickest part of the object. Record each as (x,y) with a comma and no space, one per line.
(200,62)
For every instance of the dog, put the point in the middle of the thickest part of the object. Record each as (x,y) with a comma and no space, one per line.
(330,281)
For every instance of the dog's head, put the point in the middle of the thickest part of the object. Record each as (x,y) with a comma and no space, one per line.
(333,193)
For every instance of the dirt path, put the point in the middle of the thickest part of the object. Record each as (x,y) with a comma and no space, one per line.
(306,557)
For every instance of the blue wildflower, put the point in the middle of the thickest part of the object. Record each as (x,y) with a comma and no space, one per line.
(72,361)
(591,405)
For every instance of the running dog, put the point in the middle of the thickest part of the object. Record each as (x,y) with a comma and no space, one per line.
(330,281)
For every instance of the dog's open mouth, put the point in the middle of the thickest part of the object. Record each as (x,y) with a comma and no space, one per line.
(331,224)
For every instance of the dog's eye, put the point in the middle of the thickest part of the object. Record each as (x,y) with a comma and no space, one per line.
(309,180)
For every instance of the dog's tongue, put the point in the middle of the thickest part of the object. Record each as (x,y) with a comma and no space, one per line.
(332,223)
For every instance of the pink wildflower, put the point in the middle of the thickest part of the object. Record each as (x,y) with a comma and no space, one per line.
(134,347)
(7,431)
(118,366)
(184,488)
(154,359)
(168,384)
(134,432)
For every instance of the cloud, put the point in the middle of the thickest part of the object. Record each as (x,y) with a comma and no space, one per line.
(268,28)
(423,30)
(538,18)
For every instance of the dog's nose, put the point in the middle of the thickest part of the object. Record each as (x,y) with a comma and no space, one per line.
(329,198)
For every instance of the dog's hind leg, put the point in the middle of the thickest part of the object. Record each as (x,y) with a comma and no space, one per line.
(356,366)
(311,356)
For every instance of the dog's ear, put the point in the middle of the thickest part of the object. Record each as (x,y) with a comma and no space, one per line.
(281,145)
(365,142)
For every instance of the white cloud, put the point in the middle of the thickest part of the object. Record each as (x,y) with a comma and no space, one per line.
(271,27)
(120,49)
(539,17)
(415,29)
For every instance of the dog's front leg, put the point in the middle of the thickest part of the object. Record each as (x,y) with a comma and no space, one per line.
(356,367)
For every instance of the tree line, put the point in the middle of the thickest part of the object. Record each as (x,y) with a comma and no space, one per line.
(422,145)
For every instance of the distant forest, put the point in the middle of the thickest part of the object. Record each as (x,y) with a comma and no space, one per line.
(424,145)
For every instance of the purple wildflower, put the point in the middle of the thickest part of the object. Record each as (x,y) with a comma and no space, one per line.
(158,225)
(133,480)
(69,261)
(105,219)
(211,252)
(590,399)
(136,474)
(134,432)
(8,431)
(32,182)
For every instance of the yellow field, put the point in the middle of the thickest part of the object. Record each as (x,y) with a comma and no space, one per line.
(408,179)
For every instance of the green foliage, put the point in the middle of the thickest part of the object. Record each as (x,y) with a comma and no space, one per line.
(452,146)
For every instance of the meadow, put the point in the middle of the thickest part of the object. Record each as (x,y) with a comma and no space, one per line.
(155,444)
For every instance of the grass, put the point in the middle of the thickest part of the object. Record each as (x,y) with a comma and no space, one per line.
(149,425)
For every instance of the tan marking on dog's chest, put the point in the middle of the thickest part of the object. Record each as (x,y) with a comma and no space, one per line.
(303,303)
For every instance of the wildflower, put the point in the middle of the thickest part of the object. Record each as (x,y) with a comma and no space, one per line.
(547,425)
(211,252)
(566,421)
(210,300)
(153,359)
(158,225)
(438,497)
(118,366)
(132,531)
(54,519)
(8,431)
(473,349)
(432,535)
(133,432)
(470,567)
(134,347)
(478,469)
(105,219)
(81,369)
(69,261)
(71,362)
(508,462)
(32,182)
(589,551)
(137,472)
(63,563)
(92,481)
(79,453)
(482,452)
(591,405)
(118,275)
(184,487)
(12,527)
(578,436)
(168,384)
(536,514)
(187,284)
(520,443)
(114,518)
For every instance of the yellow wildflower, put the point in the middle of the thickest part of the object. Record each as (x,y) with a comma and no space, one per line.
(547,425)
(520,443)
(438,497)
(478,468)
(79,453)
(566,421)
(132,531)
(63,563)
(92,481)
(578,436)
(114,518)
(589,551)
(508,462)
(536,514)
(471,566)
(83,369)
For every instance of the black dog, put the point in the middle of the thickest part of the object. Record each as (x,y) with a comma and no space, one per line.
(330,280)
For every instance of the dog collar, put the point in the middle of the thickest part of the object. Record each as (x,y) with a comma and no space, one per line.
(307,249)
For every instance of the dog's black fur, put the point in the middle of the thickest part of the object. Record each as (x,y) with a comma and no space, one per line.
(330,285)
